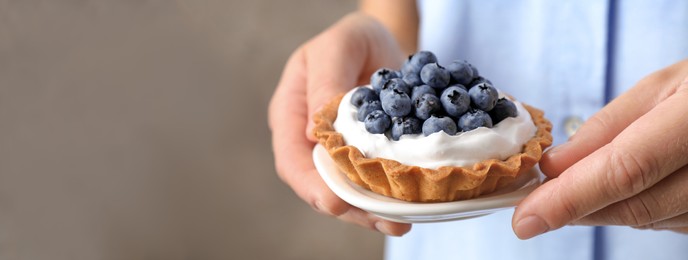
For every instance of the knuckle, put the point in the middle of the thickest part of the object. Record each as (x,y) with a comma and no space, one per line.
(318,207)
(328,207)
(600,120)
(645,227)
(651,226)
(570,208)
(683,86)
(637,213)
(628,174)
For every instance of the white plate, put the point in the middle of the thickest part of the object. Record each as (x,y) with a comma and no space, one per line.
(412,212)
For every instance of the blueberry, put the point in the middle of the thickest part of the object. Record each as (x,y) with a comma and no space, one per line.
(427,105)
(412,79)
(435,76)
(396,103)
(473,119)
(395,84)
(362,95)
(455,101)
(435,124)
(477,81)
(423,57)
(381,76)
(504,108)
(377,122)
(407,68)
(405,125)
(483,96)
(418,91)
(458,85)
(368,107)
(461,72)
(416,62)
(475,71)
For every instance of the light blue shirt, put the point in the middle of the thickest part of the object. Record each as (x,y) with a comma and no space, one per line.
(567,58)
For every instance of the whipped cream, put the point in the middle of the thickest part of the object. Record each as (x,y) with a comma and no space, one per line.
(438,149)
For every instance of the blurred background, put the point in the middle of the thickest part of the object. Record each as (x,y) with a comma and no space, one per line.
(136,129)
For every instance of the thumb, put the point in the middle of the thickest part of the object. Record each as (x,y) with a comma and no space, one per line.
(342,57)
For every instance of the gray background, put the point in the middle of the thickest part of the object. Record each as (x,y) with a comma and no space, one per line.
(137,130)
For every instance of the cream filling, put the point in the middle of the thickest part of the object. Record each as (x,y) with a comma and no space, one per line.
(439,149)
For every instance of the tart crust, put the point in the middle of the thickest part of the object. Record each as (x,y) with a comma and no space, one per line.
(417,184)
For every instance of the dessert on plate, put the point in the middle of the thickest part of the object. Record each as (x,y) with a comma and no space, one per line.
(429,133)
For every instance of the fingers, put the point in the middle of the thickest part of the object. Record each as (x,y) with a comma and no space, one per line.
(287,119)
(370,221)
(324,201)
(292,150)
(663,206)
(334,61)
(678,222)
(646,151)
(614,118)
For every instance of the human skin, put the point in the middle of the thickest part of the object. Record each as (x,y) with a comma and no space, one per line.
(627,165)
(333,62)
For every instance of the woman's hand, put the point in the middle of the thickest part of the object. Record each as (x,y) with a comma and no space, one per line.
(627,165)
(340,58)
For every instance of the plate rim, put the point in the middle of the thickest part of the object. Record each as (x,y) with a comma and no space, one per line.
(390,207)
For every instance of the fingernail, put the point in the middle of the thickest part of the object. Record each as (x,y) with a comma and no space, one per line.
(380,226)
(319,208)
(530,226)
(557,148)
